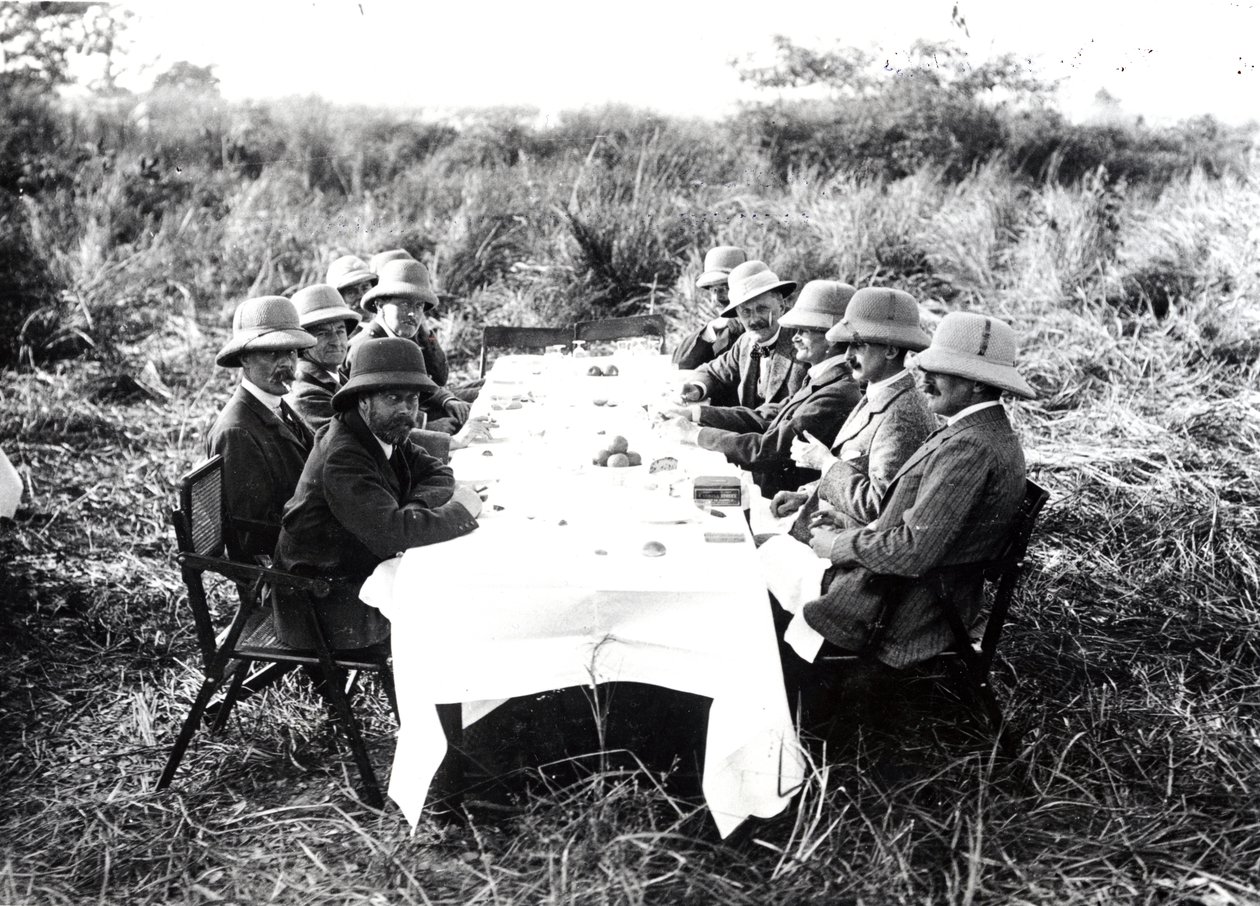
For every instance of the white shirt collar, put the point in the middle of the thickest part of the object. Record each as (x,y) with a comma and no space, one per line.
(886,382)
(949,420)
(770,342)
(388,332)
(270,400)
(817,371)
(387,449)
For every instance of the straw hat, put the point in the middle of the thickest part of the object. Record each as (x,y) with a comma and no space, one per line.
(382,364)
(321,303)
(401,278)
(347,271)
(718,263)
(267,323)
(978,347)
(821,304)
(752,279)
(381,258)
(877,314)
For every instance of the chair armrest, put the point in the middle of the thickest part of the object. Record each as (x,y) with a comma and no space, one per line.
(243,572)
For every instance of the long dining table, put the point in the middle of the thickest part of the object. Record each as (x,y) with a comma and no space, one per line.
(580,574)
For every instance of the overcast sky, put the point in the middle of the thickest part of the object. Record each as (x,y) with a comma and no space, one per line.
(1161,59)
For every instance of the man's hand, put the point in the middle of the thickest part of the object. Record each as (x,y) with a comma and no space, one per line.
(809,454)
(674,412)
(785,503)
(691,393)
(821,540)
(457,409)
(474,429)
(680,429)
(827,519)
(468,499)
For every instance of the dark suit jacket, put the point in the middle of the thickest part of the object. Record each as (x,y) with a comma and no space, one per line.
(951,503)
(695,351)
(819,407)
(262,460)
(353,508)
(879,435)
(311,397)
(435,365)
(784,375)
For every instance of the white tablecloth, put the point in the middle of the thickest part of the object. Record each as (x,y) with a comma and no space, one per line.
(553,589)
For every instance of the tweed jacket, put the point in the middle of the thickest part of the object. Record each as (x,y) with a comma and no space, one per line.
(819,407)
(783,374)
(353,508)
(435,366)
(311,397)
(951,503)
(262,461)
(879,435)
(695,351)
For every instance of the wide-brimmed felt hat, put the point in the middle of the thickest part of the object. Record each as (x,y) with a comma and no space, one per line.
(381,258)
(347,271)
(878,314)
(752,279)
(320,304)
(267,323)
(383,364)
(718,264)
(978,347)
(406,278)
(820,305)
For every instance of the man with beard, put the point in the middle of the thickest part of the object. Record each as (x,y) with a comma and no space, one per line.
(818,408)
(717,336)
(760,369)
(367,493)
(263,442)
(950,505)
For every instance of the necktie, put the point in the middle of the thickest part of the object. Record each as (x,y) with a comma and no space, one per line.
(754,373)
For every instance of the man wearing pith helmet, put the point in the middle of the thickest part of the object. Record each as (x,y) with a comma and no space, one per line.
(880,328)
(324,316)
(761,367)
(950,504)
(262,440)
(818,407)
(351,278)
(366,494)
(717,335)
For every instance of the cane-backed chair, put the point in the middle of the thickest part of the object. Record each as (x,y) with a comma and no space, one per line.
(620,328)
(498,336)
(249,637)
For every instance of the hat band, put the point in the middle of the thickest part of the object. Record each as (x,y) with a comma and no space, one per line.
(984,338)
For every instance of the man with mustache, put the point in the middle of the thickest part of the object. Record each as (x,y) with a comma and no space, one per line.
(720,333)
(351,278)
(760,369)
(951,504)
(366,494)
(818,408)
(263,441)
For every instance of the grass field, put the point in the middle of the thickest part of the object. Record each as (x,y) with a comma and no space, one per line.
(1131,665)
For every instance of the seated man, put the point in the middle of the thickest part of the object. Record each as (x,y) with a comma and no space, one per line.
(951,504)
(715,337)
(890,422)
(328,320)
(400,303)
(349,276)
(819,407)
(760,369)
(263,442)
(366,494)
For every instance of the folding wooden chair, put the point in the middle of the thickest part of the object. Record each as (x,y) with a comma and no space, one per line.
(969,658)
(503,337)
(250,637)
(620,328)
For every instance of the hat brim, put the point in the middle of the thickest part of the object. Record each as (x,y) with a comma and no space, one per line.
(350,279)
(380,380)
(270,341)
(712,278)
(810,320)
(911,338)
(785,287)
(324,315)
(1004,377)
(397,290)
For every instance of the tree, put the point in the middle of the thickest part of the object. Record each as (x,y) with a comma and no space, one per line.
(185,76)
(38,42)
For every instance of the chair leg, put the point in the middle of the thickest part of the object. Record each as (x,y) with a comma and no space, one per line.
(243,686)
(334,688)
(446,792)
(387,680)
(224,708)
(191,722)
